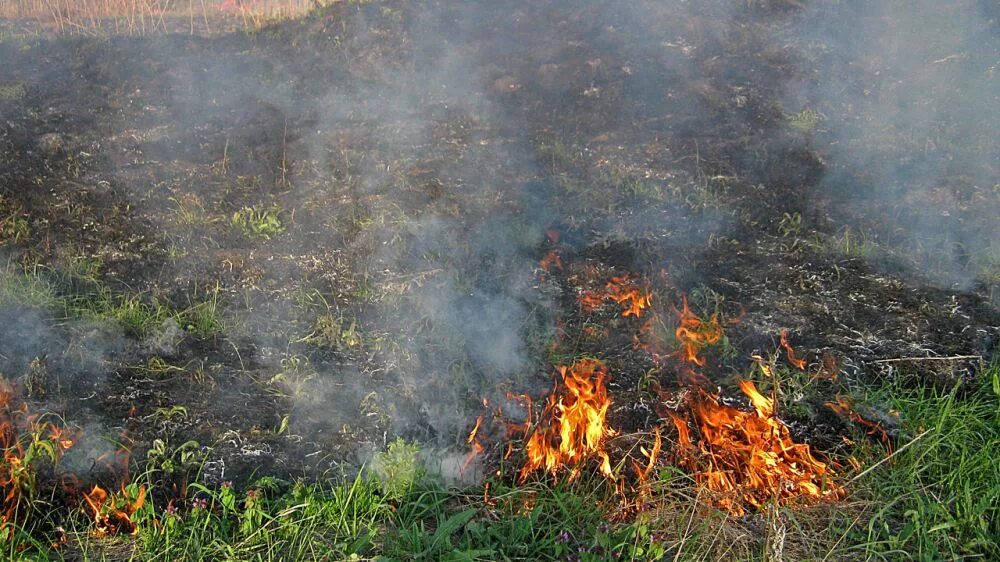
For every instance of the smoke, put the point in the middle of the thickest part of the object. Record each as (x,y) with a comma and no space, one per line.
(908,93)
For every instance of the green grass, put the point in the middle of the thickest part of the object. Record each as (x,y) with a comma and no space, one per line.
(258,223)
(939,499)
(76,292)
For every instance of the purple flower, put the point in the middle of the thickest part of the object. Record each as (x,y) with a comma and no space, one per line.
(199,503)
(171,509)
(604,528)
(227,485)
(564,538)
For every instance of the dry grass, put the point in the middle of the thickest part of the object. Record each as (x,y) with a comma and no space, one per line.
(144,17)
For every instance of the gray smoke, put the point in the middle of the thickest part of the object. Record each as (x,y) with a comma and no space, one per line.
(908,93)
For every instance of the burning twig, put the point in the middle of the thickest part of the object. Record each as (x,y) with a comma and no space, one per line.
(844,408)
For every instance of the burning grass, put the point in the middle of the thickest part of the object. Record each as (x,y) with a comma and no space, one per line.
(572,427)
(28,445)
(747,459)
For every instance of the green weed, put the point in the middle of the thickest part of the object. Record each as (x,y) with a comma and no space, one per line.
(257,223)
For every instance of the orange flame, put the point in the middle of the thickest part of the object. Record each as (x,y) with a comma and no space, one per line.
(798,362)
(624,290)
(477,447)
(20,432)
(748,458)
(573,424)
(113,515)
(844,408)
(549,260)
(694,334)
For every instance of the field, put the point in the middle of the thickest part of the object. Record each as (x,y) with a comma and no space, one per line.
(554,280)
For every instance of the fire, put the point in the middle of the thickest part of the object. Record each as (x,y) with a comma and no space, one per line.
(747,458)
(572,427)
(549,260)
(24,440)
(694,334)
(112,514)
(844,408)
(473,440)
(625,290)
(798,362)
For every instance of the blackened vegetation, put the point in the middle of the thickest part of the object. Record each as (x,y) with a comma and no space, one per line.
(411,157)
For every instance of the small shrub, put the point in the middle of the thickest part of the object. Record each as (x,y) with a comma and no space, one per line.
(400,467)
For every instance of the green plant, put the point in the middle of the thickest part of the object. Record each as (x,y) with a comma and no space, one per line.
(163,460)
(14,226)
(203,318)
(790,224)
(805,121)
(258,223)
(400,467)
(938,498)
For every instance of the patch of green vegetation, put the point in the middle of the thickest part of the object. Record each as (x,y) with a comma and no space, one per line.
(75,292)
(400,468)
(849,243)
(14,226)
(938,497)
(203,316)
(29,287)
(14,91)
(190,212)
(135,315)
(258,223)
(805,121)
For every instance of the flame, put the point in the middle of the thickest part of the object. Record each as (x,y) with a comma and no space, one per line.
(549,260)
(694,334)
(652,455)
(747,458)
(798,362)
(572,427)
(625,290)
(112,514)
(477,447)
(591,300)
(844,408)
(20,433)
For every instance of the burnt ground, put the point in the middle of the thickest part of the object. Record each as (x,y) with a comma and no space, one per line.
(414,155)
